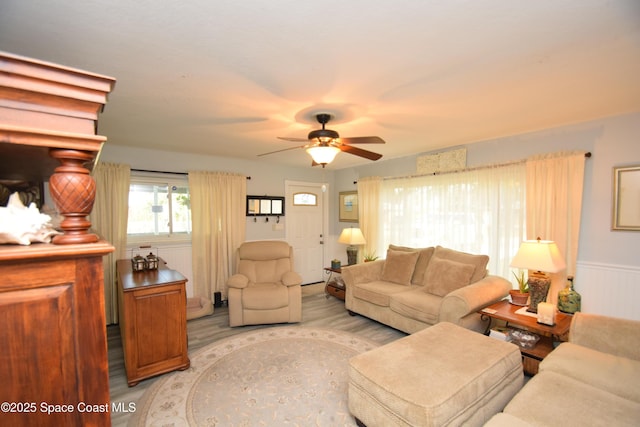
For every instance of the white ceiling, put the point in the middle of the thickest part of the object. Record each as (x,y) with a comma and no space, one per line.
(226,77)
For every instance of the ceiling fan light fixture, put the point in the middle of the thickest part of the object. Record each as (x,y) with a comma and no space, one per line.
(323,134)
(323,155)
(323,144)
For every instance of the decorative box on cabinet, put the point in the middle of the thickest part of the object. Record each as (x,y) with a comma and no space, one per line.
(153,320)
(51,295)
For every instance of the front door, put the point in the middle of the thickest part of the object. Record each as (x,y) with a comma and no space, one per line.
(305,227)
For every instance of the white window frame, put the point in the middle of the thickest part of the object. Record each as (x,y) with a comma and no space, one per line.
(159,179)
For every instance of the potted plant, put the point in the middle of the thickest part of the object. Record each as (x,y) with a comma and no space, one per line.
(520,296)
(370,256)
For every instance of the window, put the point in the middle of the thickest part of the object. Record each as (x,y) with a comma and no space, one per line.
(480,211)
(305,199)
(159,208)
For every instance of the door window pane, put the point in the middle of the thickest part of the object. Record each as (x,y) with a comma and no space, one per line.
(305,199)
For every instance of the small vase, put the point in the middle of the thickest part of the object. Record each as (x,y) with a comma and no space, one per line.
(569,301)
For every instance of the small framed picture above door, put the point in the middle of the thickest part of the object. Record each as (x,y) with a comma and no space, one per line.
(348,204)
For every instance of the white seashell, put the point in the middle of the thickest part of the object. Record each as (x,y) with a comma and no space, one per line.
(22,225)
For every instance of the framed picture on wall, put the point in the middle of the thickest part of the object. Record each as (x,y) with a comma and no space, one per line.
(626,198)
(348,206)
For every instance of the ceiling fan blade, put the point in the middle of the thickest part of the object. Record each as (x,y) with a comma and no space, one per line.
(363,140)
(293,139)
(284,149)
(360,152)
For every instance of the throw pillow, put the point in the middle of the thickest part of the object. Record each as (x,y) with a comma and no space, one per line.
(444,276)
(479,261)
(421,264)
(398,267)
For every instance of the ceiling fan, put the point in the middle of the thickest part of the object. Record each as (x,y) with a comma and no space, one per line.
(323,144)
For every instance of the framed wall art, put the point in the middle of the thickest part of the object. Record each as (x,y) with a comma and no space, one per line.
(348,203)
(626,198)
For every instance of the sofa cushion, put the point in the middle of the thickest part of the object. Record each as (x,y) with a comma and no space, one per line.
(265,296)
(615,374)
(444,276)
(376,292)
(416,304)
(421,264)
(399,266)
(271,270)
(479,261)
(551,399)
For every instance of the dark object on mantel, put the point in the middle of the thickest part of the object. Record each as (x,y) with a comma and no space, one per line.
(29,192)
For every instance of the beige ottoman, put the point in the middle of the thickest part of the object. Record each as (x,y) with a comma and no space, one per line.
(440,376)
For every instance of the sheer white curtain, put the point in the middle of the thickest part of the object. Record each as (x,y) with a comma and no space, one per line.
(368,213)
(554,206)
(479,211)
(218,202)
(109,219)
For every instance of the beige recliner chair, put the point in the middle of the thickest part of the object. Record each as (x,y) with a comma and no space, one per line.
(265,289)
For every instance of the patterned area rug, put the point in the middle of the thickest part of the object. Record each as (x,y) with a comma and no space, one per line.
(275,376)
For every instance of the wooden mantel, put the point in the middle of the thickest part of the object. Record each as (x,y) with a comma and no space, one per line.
(48,121)
(52,295)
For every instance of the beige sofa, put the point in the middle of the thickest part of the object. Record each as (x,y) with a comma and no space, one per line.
(413,289)
(592,380)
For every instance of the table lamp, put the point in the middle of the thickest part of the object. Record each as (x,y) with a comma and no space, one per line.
(352,237)
(541,256)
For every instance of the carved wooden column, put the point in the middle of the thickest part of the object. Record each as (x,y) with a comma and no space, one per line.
(73,191)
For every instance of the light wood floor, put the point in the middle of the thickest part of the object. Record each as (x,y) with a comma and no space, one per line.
(317,311)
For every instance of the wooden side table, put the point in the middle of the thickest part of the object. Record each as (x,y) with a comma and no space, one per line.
(336,286)
(505,311)
(153,321)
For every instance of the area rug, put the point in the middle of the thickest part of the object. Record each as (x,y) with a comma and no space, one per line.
(267,377)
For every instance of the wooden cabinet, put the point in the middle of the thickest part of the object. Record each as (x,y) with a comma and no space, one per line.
(53,333)
(53,362)
(153,320)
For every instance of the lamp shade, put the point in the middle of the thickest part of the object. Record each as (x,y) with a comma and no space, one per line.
(540,255)
(352,236)
(323,154)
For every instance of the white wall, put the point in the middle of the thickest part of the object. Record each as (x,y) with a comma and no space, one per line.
(613,141)
(265,178)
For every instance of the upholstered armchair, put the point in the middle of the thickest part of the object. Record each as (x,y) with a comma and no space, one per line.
(265,289)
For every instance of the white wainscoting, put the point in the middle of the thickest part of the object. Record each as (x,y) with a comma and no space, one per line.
(608,289)
(178,257)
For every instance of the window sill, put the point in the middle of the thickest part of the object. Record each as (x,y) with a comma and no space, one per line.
(158,240)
